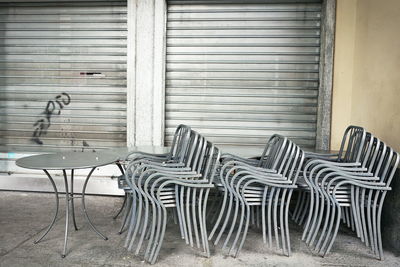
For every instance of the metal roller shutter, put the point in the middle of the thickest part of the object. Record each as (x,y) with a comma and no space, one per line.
(62,75)
(240,72)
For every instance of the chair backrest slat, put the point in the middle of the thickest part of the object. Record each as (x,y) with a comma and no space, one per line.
(180,143)
(352,144)
(283,156)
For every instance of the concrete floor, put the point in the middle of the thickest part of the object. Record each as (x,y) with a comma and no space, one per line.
(24,215)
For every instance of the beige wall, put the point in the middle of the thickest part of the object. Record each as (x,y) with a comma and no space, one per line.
(366,89)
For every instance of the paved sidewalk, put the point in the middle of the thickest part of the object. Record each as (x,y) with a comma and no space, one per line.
(23,215)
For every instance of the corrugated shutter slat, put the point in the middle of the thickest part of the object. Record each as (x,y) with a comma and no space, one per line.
(50,48)
(240,72)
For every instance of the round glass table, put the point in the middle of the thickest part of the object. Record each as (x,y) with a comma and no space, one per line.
(68,161)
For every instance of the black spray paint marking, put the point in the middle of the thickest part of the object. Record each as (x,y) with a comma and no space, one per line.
(43,124)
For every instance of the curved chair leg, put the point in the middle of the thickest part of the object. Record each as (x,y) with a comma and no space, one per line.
(66,214)
(178,212)
(84,206)
(286,225)
(160,211)
(203,233)
(220,215)
(316,227)
(131,219)
(72,201)
(233,223)
(275,216)
(369,222)
(184,219)
(333,235)
(310,214)
(325,226)
(357,214)
(161,237)
(263,223)
(188,219)
(313,221)
(228,215)
(281,222)
(246,227)
(145,223)
(374,221)
(57,206)
(241,203)
(329,218)
(152,226)
(195,226)
(363,219)
(269,217)
(334,222)
(379,234)
(138,221)
(203,221)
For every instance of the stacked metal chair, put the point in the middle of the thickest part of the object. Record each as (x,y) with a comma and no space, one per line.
(259,192)
(173,158)
(353,194)
(349,155)
(180,188)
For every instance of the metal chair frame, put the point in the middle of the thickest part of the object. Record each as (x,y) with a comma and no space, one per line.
(184,188)
(259,193)
(175,156)
(340,194)
(350,153)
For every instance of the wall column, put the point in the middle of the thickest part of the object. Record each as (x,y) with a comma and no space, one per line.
(145,70)
(326,74)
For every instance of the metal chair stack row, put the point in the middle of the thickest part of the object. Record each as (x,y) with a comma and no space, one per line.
(174,158)
(260,194)
(349,186)
(348,156)
(179,187)
(352,191)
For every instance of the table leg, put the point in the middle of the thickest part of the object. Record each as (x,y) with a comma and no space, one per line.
(72,200)
(57,205)
(126,195)
(66,213)
(84,206)
(128,212)
(122,207)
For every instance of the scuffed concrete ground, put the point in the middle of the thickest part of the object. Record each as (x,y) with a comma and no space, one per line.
(23,215)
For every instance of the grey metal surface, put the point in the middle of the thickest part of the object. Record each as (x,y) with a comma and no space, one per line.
(255,151)
(129,156)
(50,48)
(183,186)
(240,72)
(123,152)
(353,142)
(68,160)
(257,192)
(351,190)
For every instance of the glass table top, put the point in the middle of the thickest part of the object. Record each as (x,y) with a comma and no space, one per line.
(68,160)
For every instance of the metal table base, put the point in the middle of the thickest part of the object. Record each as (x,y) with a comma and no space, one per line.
(69,202)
